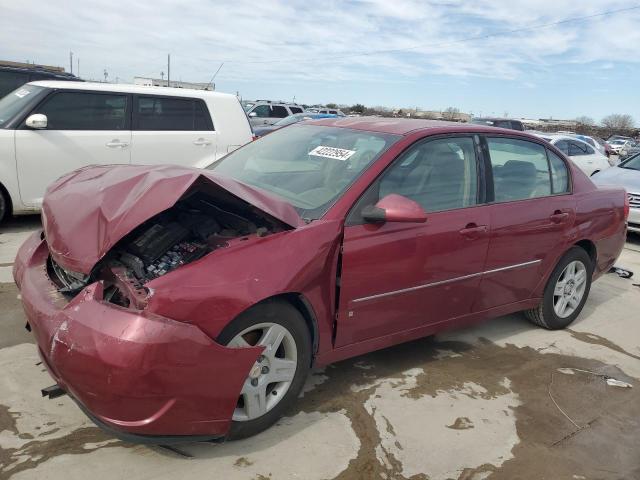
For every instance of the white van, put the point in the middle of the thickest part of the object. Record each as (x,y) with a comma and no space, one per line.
(50,128)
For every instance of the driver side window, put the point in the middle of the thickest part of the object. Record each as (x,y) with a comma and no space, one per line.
(438,174)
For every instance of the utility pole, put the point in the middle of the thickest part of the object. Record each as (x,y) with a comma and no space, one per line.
(71,61)
(78,69)
(168,70)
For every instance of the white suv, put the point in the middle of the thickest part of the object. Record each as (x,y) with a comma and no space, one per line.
(52,127)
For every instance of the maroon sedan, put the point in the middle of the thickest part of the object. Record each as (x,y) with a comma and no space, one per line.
(181,304)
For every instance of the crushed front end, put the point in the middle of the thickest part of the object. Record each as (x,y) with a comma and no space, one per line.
(141,376)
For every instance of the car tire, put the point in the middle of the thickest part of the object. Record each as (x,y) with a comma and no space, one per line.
(4,205)
(562,286)
(280,315)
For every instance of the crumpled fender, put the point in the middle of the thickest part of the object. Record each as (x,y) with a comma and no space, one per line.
(212,291)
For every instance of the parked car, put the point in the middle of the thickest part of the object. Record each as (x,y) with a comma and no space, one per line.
(266,112)
(627,175)
(176,304)
(290,120)
(332,111)
(12,77)
(587,158)
(618,144)
(629,149)
(499,122)
(51,128)
(593,142)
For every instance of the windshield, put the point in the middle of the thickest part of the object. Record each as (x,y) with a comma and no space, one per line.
(13,102)
(632,163)
(309,166)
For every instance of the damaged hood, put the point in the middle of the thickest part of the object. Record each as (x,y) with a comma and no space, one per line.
(86,212)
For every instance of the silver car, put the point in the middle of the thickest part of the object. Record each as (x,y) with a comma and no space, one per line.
(627,175)
(266,112)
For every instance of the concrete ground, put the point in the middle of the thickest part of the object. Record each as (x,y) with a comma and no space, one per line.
(502,400)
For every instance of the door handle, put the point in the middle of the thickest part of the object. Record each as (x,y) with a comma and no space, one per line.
(201,142)
(115,143)
(473,231)
(559,217)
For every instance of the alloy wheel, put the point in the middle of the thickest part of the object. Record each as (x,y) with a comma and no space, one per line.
(570,289)
(271,375)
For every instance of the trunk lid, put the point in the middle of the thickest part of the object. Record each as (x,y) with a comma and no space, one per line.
(86,212)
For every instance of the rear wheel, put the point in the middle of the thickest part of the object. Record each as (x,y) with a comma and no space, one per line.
(566,291)
(278,375)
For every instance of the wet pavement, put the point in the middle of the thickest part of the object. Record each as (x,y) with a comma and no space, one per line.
(501,400)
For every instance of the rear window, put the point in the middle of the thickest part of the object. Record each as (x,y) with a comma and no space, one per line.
(10,81)
(177,114)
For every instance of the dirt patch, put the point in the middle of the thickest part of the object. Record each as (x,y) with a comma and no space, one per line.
(34,453)
(550,445)
(461,423)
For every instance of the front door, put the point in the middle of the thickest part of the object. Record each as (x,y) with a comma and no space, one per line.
(531,218)
(84,128)
(401,276)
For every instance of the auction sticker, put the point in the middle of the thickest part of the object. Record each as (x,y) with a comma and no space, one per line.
(332,152)
(23,92)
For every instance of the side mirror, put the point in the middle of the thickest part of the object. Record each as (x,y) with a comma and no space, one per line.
(253,114)
(36,121)
(395,208)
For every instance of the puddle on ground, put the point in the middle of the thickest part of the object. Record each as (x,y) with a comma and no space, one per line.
(421,410)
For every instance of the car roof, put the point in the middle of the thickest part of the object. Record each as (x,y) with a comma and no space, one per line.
(39,71)
(129,88)
(405,126)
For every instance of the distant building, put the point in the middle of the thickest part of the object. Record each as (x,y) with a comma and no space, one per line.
(159,82)
(549,122)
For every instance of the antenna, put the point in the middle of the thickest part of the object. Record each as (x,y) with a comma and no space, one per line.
(214,76)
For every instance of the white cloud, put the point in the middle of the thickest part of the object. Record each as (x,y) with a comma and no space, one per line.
(315,40)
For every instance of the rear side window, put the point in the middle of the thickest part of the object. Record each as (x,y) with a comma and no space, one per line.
(559,173)
(279,111)
(577,149)
(85,111)
(177,114)
(520,169)
(295,109)
(517,126)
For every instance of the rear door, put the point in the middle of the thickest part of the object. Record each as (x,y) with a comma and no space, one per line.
(84,128)
(172,130)
(531,217)
(402,276)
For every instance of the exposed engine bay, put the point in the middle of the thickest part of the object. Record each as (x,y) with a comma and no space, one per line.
(194,227)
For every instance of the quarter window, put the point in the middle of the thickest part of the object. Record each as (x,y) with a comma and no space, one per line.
(178,114)
(279,111)
(520,169)
(85,111)
(438,174)
(559,173)
(295,109)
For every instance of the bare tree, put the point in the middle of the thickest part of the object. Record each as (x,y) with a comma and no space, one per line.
(618,121)
(451,113)
(584,120)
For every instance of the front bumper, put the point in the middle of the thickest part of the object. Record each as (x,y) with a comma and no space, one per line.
(140,376)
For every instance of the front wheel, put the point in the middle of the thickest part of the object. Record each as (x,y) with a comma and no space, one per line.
(566,291)
(277,376)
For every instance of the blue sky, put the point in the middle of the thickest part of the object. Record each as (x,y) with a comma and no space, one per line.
(314,50)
